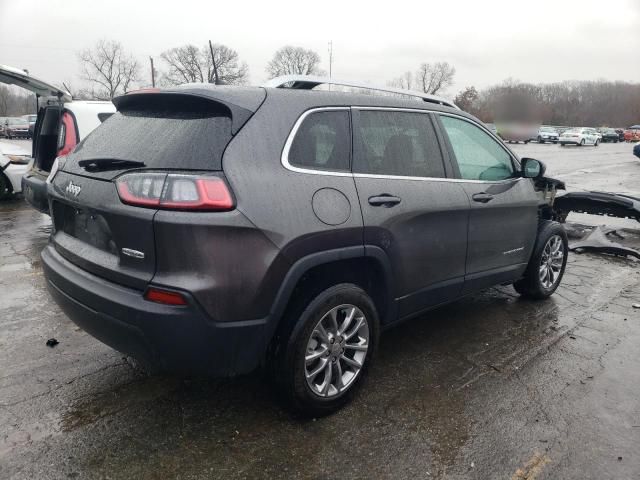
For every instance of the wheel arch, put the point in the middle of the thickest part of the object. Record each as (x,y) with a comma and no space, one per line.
(366,266)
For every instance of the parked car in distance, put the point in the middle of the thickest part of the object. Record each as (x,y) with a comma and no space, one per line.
(579,137)
(32,123)
(16,127)
(208,247)
(547,134)
(632,134)
(2,127)
(14,163)
(62,123)
(620,132)
(516,133)
(609,135)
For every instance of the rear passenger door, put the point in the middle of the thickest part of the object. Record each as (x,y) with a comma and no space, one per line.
(504,207)
(410,209)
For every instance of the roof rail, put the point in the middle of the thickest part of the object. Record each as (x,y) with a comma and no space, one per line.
(308,82)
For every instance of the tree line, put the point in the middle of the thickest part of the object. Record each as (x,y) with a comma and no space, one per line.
(109,70)
(572,103)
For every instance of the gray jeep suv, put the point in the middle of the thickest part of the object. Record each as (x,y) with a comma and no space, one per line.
(217,229)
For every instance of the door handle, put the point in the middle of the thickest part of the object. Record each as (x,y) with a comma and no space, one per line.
(384,200)
(482,197)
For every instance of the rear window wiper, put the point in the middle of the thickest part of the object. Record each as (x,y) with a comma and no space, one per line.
(100,164)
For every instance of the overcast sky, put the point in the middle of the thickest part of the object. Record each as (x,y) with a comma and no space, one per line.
(487,41)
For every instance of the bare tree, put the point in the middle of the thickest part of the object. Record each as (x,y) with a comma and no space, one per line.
(5,99)
(186,65)
(213,63)
(294,61)
(14,101)
(435,77)
(109,69)
(466,98)
(224,67)
(405,81)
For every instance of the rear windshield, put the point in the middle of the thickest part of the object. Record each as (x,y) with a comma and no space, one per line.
(192,139)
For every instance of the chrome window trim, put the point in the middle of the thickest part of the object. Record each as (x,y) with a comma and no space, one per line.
(284,159)
(434,179)
(292,135)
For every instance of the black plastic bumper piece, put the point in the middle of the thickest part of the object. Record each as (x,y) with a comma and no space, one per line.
(599,203)
(34,189)
(179,339)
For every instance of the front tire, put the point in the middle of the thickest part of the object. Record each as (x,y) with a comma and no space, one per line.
(540,140)
(325,349)
(582,143)
(547,264)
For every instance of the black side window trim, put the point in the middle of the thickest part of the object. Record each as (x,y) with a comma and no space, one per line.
(452,156)
(444,154)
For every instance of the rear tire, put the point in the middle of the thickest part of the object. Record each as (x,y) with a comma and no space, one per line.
(582,143)
(562,144)
(5,187)
(547,264)
(318,343)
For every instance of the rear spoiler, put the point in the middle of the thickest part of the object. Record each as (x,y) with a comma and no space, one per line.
(241,103)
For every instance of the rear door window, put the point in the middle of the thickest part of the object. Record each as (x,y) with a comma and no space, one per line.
(398,144)
(479,156)
(322,142)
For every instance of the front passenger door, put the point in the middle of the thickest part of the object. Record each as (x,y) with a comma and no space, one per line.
(504,207)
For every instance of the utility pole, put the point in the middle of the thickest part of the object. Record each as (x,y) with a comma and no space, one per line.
(215,67)
(330,59)
(153,73)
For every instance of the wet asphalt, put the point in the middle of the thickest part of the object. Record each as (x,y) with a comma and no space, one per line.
(489,387)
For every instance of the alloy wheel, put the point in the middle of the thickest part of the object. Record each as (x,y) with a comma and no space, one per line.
(551,262)
(336,350)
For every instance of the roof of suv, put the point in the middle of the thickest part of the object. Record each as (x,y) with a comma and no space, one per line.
(250,98)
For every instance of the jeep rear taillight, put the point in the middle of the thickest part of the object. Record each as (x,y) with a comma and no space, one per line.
(67,138)
(175,191)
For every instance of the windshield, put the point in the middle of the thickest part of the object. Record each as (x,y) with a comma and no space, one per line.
(547,129)
(573,130)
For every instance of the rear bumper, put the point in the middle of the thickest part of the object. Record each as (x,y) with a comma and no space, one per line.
(176,339)
(34,189)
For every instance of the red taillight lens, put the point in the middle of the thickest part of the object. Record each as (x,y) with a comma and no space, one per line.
(67,138)
(166,297)
(175,191)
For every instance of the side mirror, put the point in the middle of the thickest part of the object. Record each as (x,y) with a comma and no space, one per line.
(532,168)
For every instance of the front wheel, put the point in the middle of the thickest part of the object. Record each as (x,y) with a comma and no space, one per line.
(547,264)
(540,140)
(324,353)
(562,144)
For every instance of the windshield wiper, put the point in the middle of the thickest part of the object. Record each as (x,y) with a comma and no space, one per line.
(102,164)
